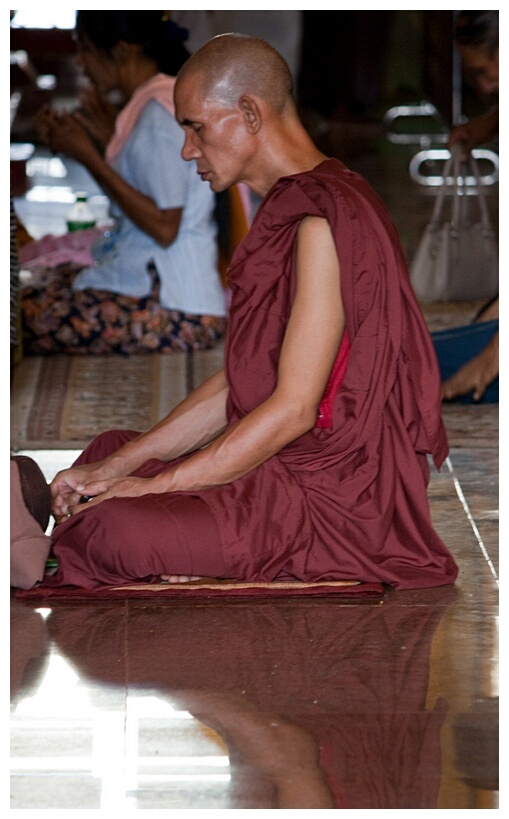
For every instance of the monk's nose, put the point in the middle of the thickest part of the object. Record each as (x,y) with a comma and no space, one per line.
(189,148)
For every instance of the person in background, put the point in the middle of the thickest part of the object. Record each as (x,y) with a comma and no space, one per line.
(154,283)
(477,37)
(469,356)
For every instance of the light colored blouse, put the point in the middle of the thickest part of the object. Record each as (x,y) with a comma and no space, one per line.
(150,161)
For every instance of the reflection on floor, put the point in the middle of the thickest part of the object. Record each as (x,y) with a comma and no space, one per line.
(277,704)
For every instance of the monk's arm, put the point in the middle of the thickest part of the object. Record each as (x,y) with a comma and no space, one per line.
(309,349)
(194,422)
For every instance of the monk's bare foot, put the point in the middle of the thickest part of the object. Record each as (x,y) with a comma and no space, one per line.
(178,578)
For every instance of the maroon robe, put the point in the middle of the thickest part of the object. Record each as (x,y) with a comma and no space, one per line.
(348,501)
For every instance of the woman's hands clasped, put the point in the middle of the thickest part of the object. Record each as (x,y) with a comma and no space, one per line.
(97,115)
(62,132)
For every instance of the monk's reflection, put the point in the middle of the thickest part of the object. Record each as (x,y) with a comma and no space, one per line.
(320,705)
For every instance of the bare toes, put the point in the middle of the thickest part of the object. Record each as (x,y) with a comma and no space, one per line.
(178,578)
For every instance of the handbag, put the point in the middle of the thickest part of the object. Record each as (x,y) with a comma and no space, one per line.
(457,257)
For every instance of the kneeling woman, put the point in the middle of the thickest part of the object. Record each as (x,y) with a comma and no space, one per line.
(154,284)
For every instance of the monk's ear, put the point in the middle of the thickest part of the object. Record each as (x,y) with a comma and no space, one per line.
(252,112)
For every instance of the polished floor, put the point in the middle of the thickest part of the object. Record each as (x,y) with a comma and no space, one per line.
(275,704)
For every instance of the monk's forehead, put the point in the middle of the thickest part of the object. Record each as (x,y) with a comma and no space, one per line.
(190,83)
(196,95)
(190,91)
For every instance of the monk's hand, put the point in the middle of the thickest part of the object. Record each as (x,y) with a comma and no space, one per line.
(94,492)
(64,492)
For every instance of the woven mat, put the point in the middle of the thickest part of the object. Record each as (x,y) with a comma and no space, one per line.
(62,401)
(211,589)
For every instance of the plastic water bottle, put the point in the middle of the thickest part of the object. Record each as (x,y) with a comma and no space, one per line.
(80,217)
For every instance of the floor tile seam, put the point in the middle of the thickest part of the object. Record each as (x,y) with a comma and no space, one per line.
(466,508)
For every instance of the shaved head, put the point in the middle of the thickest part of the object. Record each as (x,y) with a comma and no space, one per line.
(231,65)
(234,100)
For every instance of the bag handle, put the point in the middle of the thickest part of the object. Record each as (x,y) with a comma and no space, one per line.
(439,204)
(460,194)
(452,170)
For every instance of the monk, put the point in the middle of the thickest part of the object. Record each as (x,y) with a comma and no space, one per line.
(306,456)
